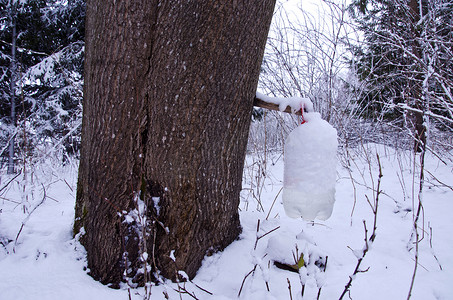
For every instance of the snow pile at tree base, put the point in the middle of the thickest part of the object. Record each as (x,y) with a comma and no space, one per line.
(310,169)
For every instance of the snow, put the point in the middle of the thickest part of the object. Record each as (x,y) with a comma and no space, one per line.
(310,169)
(296,103)
(46,262)
(156,201)
(172,255)
(282,248)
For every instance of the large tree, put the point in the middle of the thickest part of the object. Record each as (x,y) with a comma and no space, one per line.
(168,98)
(406,60)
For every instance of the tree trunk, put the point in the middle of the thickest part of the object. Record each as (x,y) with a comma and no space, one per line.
(416,90)
(169,89)
(11,169)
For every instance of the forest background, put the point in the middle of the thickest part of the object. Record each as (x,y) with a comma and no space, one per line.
(379,71)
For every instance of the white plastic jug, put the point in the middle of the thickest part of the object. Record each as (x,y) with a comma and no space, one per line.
(310,169)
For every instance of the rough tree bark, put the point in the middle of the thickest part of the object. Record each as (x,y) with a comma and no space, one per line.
(169,89)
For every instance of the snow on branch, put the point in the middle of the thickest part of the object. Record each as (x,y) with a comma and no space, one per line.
(289,105)
(428,113)
(29,51)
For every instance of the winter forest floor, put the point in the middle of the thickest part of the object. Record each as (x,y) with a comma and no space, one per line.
(39,258)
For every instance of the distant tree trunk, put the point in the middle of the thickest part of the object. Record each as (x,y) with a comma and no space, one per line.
(416,89)
(12,89)
(169,89)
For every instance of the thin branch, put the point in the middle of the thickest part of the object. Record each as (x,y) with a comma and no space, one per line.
(17,175)
(368,241)
(258,238)
(427,113)
(440,182)
(204,290)
(28,217)
(245,277)
(183,290)
(289,289)
(273,202)
(24,49)
(417,217)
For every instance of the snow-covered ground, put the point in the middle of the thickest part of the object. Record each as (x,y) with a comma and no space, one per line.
(39,258)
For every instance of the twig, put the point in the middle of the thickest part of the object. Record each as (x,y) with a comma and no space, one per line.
(324,270)
(245,277)
(355,192)
(9,200)
(76,127)
(431,245)
(28,217)
(52,198)
(275,199)
(289,289)
(204,290)
(417,216)
(25,49)
(370,240)
(17,175)
(258,238)
(17,236)
(72,190)
(441,183)
(182,290)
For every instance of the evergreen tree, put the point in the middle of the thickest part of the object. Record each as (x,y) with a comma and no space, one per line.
(406,60)
(50,63)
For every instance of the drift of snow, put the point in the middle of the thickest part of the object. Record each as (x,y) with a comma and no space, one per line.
(310,169)
(282,248)
(47,262)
